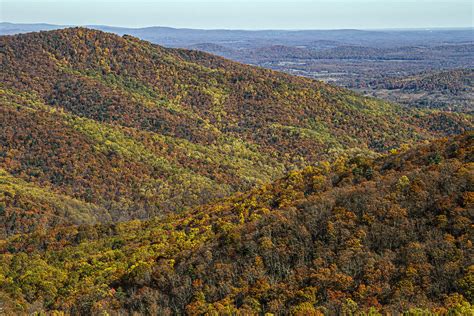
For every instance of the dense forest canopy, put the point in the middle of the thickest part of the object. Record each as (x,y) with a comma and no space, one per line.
(364,233)
(141,179)
(98,127)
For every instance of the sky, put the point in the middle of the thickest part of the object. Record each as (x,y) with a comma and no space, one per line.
(244,14)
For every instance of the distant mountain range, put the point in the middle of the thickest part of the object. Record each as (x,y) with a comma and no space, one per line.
(174,37)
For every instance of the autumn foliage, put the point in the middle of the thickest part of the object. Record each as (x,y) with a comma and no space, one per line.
(363,234)
(140,179)
(133,130)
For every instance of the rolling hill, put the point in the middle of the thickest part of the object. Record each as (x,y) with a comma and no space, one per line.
(97,127)
(368,233)
(451,89)
(366,61)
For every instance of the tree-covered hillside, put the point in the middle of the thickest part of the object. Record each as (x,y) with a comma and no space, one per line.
(103,127)
(366,233)
(450,89)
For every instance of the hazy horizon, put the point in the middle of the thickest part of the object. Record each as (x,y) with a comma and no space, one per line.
(240,29)
(245,14)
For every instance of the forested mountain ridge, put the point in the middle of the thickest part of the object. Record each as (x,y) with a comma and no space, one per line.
(105,127)
(366,233)
(426,64)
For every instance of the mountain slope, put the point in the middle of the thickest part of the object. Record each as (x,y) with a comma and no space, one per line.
(365,233)
(140,130)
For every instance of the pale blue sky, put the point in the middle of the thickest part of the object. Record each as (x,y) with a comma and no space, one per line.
(244,14)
